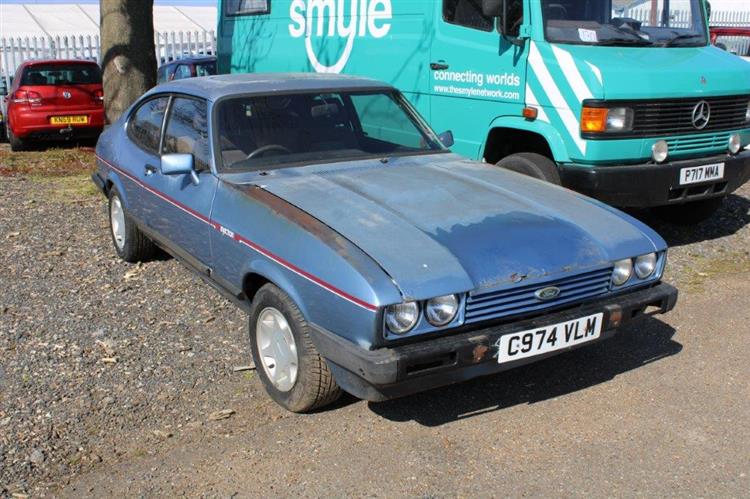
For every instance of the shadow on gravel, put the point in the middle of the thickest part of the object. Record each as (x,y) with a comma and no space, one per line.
(635,346)
(731,218)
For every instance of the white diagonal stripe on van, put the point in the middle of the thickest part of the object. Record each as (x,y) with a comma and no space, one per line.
(569,69)
(597,72)
(532,101)
(553,93)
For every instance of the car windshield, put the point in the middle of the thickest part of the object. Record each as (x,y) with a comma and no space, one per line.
(205,68)
(268,132)
(61,74)
(646,23)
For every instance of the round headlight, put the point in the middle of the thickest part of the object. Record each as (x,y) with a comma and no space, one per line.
(660,151)
(645,265)
(622,272)
(401,317)
(735,143)
(441,310)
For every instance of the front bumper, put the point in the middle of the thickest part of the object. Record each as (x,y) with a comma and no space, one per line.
(386,373)
(647,185)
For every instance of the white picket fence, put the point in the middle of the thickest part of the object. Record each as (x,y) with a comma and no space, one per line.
(169,46)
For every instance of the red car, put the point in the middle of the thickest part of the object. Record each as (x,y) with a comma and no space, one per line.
(737,38)
(54,99)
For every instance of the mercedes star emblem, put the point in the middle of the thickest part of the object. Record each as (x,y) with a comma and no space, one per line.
(701,115)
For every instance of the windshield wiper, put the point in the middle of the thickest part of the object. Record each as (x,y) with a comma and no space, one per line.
(625,41)
(686,36)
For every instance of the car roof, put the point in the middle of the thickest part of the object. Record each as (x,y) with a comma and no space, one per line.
(215,87)
(35,62)
(189,60)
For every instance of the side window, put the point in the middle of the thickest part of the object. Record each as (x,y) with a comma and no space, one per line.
(144,127)
(182,72)
(515,16)
(247,7)
(467,13)
(187,130)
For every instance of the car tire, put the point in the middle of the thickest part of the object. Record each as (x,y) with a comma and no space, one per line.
(689,213)
(276,322)
(16,144)
(532,164)
(130,243)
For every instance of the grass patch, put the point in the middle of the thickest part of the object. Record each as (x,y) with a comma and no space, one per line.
(68,189)
(705,269)
(53,162)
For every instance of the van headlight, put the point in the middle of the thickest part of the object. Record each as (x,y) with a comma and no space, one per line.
(645,266)
(441,310)
(622,271)
(606,120)
(401,317)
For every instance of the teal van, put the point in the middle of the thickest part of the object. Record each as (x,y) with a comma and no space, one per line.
(625,101)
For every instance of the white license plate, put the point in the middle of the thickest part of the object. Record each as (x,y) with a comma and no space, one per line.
(538,341)
(703,173)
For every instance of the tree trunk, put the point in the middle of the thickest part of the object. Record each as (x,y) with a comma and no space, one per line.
(128,53)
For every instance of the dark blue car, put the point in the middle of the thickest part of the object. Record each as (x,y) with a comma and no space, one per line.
(368,256)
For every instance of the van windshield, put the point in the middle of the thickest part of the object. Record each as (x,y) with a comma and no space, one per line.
(61,74)
(655,23)
(275,131)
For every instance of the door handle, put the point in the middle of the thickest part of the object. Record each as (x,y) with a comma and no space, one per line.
(150,170)
(439,66)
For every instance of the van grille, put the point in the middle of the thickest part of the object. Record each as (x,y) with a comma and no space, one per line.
(522,300)
(698,143)
(675,116)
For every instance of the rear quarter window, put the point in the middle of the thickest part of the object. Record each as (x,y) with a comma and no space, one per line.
(61,74)
(144,126)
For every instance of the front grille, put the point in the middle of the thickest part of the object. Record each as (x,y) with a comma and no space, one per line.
(522,300)
(698,143)
(675,116)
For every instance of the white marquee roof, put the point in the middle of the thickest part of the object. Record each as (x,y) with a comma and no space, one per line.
(27,20)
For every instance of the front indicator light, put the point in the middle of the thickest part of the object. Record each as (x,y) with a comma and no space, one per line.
(441,310)
(622,271)
(401,317)
(645,266)
(594,119)
(660,151)
(735,143)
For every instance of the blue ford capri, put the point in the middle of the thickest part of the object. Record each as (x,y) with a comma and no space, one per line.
(368,256)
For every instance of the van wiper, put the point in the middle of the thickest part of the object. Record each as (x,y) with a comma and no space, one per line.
(625,41)
(687,36)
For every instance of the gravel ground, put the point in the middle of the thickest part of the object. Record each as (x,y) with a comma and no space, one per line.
(129,380)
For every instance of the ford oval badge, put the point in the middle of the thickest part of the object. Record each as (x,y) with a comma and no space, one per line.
(547,294)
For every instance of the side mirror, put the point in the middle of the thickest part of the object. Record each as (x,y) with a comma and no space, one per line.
(446,138)
(492,8)
(179,164)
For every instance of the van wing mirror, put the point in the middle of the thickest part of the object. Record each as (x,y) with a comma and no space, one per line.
(179,164)
(509,14)
(492,8)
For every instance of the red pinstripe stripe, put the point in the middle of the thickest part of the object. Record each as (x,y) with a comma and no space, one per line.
(240,239)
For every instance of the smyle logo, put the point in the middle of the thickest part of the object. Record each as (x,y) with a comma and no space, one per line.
(66,94)
(547,294)
(329,18)
(701,115)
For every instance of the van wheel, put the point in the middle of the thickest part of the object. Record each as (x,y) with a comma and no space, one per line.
(532,164)
(16,144)
(689,213)
(130,243)
(292,371)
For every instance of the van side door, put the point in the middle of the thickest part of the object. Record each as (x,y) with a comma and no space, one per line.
(476,74)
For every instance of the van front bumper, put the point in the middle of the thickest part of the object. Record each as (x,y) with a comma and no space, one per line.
(387,373)
(647,185)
